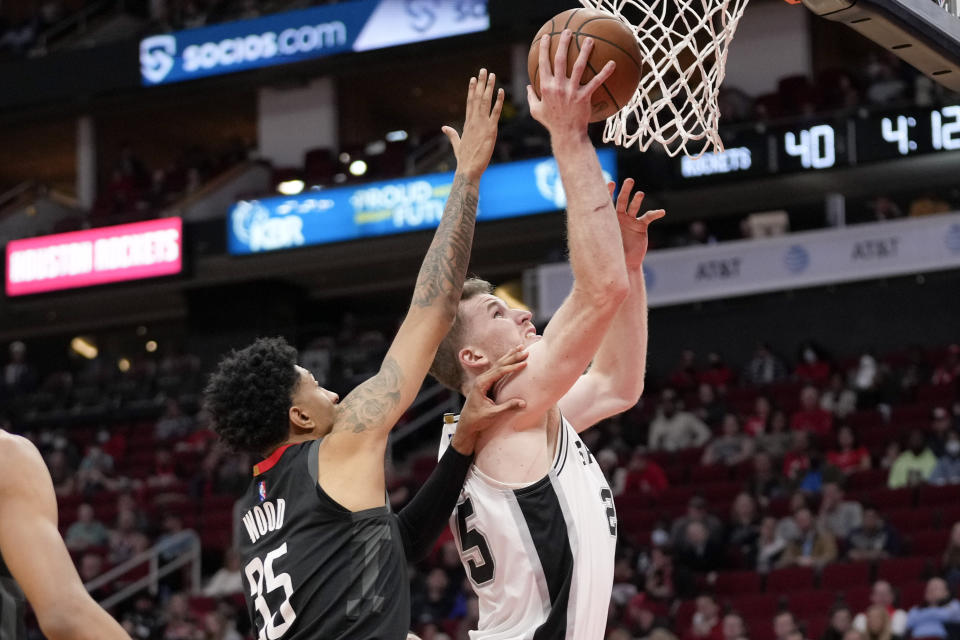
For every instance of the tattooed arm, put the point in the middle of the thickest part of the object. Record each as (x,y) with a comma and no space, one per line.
(354,449)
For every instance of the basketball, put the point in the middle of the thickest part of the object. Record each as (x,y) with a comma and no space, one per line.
(613,40)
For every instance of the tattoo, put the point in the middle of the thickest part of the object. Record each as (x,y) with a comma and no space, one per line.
(368,405)
(445,265)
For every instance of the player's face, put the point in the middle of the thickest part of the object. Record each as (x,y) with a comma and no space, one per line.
(492,328)
(316,405)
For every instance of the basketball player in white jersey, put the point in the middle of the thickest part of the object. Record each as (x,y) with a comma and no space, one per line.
(536,525)
(33,559)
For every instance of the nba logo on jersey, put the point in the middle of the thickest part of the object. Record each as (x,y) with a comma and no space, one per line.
(262,489)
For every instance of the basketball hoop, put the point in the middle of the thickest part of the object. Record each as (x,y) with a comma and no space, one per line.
(684,44)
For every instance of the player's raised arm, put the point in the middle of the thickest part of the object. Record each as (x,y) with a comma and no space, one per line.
(35,553)
(615,380)
(593,236)
(376,405)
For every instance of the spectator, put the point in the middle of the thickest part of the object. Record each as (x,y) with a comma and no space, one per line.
(61,472)
(624,582)
(947,470)
(226,581)
(642,475)
(951,557)
(87,531)
(784,624)
(940,428)
(90,568)
(849,456)
(696,512)
(717,374)
(879,626)
(19,375)
(890,455)
(672,430)
(865,375)
(881,595)
(813,369)
(838,516)
(757,423)
(838,399)
(778,438)
(770,546)
(712,409)
(840,623)
(179,623)
(684,377)
(797,460)
(172,542)
(95,470)
(698,551)
(437,602)
(641,619)
(165,472)
(173,424)
(658,578)
(816,547)
(913,466)
(731,448)
(948,371)
(874,539)
(811,417)
(765,485)
(940,609)
(764,368)
(733,627)
(820,472)
(853,634)
(743,528)
(706,623)
(125,540)
(787,526)
(217,626)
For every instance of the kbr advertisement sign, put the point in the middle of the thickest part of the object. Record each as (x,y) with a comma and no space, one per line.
(507,190)
(294,36)
(98,256)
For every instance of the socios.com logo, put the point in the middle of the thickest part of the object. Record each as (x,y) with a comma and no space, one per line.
(157,57)
(953,238)
(547,177)
(797,259)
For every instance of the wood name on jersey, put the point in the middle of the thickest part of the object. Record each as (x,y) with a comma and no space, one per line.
(264,518)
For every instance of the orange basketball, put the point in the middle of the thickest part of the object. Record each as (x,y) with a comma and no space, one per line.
(613,40)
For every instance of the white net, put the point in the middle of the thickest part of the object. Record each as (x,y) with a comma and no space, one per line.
(684,44)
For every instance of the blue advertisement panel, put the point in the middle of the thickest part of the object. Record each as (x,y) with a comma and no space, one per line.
(361,25)
(507,190)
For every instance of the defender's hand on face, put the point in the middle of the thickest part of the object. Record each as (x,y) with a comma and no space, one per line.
(564,105)
(633,229)
(474,148)
(480,412)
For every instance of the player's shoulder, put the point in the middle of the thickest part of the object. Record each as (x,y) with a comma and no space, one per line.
(18,457)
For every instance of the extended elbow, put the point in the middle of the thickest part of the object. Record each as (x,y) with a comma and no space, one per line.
(611,293)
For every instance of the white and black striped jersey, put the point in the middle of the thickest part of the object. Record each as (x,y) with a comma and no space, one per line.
(540,556)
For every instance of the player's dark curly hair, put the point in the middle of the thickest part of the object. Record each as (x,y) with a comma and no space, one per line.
(249,395)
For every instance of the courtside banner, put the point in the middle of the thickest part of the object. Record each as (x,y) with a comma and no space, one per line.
(98,256)
(305,34)
(792,261)
(507,190)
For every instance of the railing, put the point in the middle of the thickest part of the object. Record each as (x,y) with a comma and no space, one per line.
(77,20)
(450,402)
(190,556)
(426,157)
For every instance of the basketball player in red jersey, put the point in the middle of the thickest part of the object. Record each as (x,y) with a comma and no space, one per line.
(34,559)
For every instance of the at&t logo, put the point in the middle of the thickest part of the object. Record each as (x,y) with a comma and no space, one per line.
(157,55)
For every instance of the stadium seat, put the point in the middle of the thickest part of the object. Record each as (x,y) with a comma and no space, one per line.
(704,474)
(816,625)
(858,597)
(885,498)
(810,603)
(721,494)
(910,593)
(929,495)
(843,575)
(759,605)
(928,544)
(738,582)
(790,579)
(908,520)
(949,515)
(861,420)
(901,570)
(869,479)
(758,627)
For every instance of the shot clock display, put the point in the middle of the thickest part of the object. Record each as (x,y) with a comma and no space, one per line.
(831,143)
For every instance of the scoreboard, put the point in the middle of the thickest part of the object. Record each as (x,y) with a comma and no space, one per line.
(828,143)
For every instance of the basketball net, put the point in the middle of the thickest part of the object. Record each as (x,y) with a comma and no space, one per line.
(684,45)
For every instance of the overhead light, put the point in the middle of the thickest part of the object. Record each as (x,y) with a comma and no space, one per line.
(340,178)
(511,293)
(291,187)
(151,346)
(396,136)
(344,157)
(375,148)
(141,330)
(123,364)
(358,167)
(84,347)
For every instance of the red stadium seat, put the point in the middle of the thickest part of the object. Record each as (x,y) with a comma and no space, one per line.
(885,498)
(844,575)
(815,625)
(949,515)
(720,495)
(861,420)
(790,579)
(911,593)
(901,570)
(811,603)
(908,520)
(735,583)
(704,474)
(870,479)
(947,495)
(928,544)
(763,605)
(858,598)
(758,627)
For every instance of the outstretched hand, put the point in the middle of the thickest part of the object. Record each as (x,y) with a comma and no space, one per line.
(565,105)
(633,227)
(480,412)
(475,147)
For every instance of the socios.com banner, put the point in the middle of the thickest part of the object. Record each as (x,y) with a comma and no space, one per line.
(384,208)
(283,38)
(792,261)
(98,256)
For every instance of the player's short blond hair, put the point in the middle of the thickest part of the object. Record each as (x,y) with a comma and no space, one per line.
(446,367)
